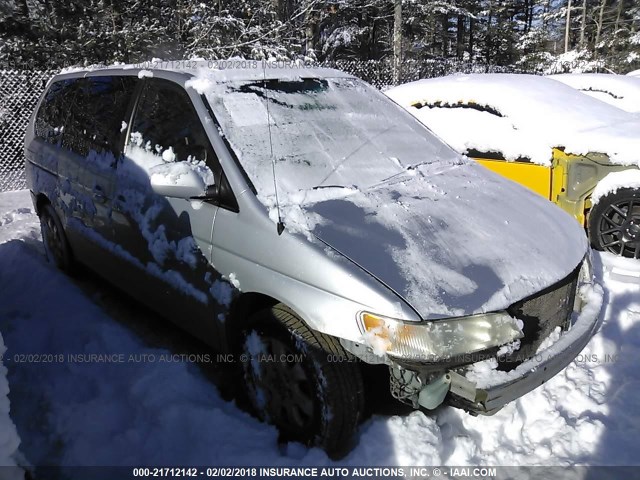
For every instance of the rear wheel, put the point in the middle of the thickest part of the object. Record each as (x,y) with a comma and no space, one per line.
(56,245)
(614,223)
(302,381)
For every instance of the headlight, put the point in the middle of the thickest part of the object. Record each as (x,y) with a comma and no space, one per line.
(441,339)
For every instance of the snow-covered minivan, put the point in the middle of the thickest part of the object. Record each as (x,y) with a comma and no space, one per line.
(301,221)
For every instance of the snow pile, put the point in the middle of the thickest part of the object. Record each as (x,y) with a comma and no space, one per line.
(618,90)
(18,218)
(613,182)
(179,172)
(159,412)
(520,115)
(143,160)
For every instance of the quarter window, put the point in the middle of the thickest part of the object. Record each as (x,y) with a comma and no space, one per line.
(54,112)
(99,108)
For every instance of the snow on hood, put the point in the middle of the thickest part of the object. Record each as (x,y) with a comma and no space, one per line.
(529,115)
(365,177)
(453,239)
(618,90)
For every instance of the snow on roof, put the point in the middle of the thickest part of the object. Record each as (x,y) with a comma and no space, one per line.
(520,116)
(223,70)
(618,90)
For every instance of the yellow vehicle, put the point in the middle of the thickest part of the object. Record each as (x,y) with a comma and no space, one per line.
(543,134)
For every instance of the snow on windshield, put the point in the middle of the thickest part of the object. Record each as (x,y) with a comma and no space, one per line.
(323,133)
(618,90)
(542,112)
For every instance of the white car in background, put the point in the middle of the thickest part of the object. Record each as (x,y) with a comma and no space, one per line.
(622,91)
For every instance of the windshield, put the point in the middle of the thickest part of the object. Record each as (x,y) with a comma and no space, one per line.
(324,133)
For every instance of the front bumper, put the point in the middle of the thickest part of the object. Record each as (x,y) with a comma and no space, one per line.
(487,390)
(504,387)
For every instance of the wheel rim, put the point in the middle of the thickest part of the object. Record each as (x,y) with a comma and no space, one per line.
(282,389)
(53,240)
(619,228)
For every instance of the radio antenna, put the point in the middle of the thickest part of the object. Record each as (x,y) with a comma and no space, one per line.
(280,225)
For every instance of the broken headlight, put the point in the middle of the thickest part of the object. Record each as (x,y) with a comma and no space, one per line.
(438,340)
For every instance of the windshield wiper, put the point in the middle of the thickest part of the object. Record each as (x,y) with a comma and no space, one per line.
(318,187)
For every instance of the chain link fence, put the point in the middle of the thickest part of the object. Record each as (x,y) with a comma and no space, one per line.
(380,73)
(19,93)
(20,90)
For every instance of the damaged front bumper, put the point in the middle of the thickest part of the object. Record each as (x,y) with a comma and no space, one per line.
(488,395)
(491,396)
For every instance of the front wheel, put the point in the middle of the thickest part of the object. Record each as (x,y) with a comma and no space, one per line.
(302,381)
(614,223)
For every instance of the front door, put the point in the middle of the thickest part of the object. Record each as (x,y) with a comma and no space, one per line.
(169,239)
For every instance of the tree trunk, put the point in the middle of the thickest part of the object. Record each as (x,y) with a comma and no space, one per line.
(488,41)
(445,34)
(460,37)
(599,25)
(618,14)
(310,32)
(471,25)
(583,23)
(397,41)
(567,28)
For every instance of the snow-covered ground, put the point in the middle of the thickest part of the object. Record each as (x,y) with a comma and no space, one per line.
(156,408)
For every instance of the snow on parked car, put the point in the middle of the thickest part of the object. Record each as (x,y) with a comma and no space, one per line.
(545,135)
(621,91)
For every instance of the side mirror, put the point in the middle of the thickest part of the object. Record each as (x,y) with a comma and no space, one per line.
(178,180)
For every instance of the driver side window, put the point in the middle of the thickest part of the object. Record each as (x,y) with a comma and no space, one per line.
(167,124)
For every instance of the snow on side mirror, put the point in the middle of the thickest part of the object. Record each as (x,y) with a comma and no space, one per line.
(178,180)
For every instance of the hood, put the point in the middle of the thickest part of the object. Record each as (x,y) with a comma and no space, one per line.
(453,240)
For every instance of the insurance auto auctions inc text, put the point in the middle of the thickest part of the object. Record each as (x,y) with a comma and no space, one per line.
(377,472)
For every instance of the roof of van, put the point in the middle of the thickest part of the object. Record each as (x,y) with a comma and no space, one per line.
(221,70)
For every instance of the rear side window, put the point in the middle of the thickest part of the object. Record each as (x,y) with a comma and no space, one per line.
(55,110)
(98,112)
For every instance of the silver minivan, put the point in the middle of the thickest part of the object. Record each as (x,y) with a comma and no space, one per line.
(301,221)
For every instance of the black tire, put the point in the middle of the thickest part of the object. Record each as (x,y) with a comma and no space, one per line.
(614,223)
(316,399)
(56,245)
